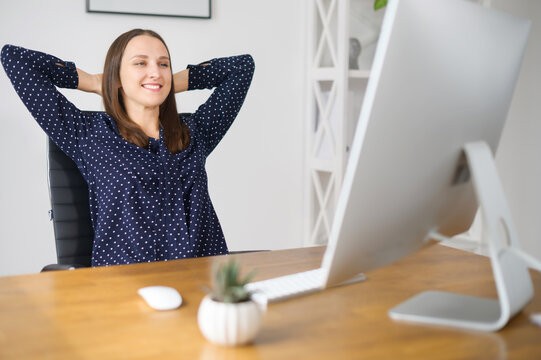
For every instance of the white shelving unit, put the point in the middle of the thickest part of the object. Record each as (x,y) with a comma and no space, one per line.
(334,95)
(333,99)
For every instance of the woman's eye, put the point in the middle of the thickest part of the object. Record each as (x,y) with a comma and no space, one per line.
(164,65)
(140,63)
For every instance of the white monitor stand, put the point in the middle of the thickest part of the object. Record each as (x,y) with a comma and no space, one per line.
(513,282)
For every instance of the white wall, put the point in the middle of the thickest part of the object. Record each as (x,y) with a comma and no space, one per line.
(519,155)
(256,172)
(255,175)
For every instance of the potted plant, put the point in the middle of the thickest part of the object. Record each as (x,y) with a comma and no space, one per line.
(228,315)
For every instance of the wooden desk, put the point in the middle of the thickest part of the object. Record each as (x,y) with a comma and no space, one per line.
(97,314)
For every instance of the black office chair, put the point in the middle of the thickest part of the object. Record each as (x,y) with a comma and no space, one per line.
(70,211)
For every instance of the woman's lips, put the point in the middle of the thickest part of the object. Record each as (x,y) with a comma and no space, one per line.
(152,87)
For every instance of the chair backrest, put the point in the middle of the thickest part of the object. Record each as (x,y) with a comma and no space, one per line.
(68,191)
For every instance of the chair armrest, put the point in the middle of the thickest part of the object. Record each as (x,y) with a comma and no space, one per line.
(55,267)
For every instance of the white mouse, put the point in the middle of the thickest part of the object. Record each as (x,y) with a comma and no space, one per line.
(161,297)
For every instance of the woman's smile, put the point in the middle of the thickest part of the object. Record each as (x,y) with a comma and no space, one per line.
(152,87)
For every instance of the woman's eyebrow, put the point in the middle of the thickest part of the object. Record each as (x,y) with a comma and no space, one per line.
(163,57)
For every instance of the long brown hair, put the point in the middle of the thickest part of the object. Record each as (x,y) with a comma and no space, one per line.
(176,133)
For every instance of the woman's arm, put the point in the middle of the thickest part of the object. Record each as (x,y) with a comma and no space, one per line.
(35,77)
(180,80)
(88,82)
(231,76)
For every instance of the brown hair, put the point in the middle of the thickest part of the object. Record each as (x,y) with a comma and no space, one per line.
(176,133)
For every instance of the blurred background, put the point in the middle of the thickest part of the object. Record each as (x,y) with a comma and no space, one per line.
(257,175)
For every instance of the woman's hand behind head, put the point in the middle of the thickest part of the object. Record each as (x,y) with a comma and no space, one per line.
(88,82)
(98,81)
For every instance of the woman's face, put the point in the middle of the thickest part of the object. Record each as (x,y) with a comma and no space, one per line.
(145,73)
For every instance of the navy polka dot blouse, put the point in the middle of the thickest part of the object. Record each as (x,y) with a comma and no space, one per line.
(146,204)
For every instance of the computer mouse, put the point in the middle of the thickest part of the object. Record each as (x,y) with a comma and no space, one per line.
(161,297)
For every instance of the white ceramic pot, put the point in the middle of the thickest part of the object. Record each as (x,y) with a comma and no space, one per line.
(230,324)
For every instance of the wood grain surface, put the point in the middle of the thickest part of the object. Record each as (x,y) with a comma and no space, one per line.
(97,314)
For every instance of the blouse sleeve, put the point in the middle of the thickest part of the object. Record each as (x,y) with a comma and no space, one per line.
(35,76)
(232,77)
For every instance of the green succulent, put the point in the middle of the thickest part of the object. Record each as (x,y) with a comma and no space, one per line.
(378,4)
(227,286)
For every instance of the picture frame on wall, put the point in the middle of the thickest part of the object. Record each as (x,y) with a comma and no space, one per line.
(200,9)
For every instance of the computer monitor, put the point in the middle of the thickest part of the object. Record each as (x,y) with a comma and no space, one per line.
(443,76)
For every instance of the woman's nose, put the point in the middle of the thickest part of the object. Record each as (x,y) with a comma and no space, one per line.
(154,71)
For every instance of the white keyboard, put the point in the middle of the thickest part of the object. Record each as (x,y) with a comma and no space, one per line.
(288,286)
(293,285)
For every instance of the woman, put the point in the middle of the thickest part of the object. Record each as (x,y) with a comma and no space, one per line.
(145,167)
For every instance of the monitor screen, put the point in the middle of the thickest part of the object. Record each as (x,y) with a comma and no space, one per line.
(443,76)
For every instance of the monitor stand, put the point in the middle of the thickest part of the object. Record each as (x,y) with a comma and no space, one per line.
(511,275)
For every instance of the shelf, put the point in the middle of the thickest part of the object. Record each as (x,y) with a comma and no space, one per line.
(327,165)
(359,74)
(334,99)
(330,73)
